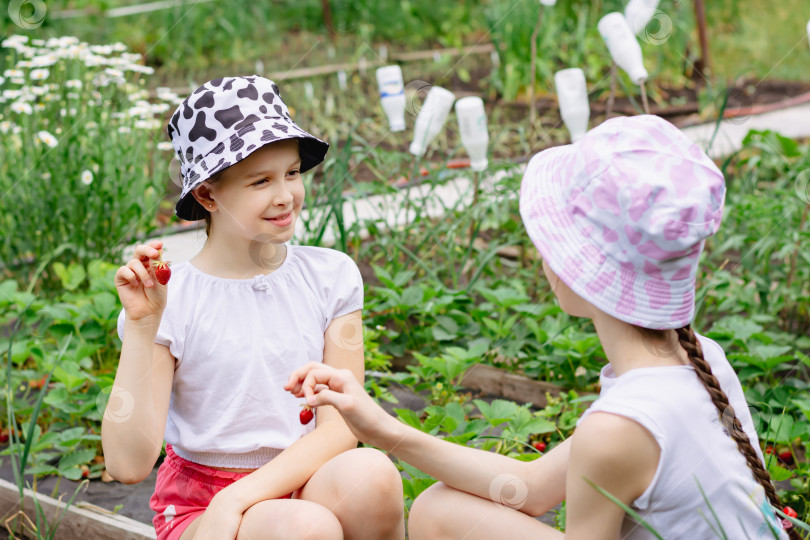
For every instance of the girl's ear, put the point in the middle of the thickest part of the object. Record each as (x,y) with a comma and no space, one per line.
(203,195)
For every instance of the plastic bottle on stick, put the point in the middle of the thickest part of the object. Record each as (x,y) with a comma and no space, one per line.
(392,96)
(623,46)
(572,95)
(638,13)
(472,124)
(431,118)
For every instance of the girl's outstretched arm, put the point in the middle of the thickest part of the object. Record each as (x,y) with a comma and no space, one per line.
(531,487)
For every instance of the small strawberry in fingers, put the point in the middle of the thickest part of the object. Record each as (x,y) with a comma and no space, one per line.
(162,270)
(790,512)
(306,415)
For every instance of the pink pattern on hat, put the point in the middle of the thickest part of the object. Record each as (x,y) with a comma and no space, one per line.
(621,216)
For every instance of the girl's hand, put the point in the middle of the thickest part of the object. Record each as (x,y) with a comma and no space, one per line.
(139,298)
(220,521)
(324,385)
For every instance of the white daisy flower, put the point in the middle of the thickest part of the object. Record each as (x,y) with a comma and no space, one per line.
(72,95)
(18,80)
(73,83)
(163,146)
(39,74)
(38,42)
(39,90)
(23,64)
(5,126)
(118,47)
(2,80)
(17,39)
(44,61)
(13,73)
(124,129)
(87,177)
(12,94)
(138,68)
(47,138)
(116,73)
(21,107)
(39,107)
(91,125)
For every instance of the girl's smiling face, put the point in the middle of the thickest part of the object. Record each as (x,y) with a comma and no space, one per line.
(261,195)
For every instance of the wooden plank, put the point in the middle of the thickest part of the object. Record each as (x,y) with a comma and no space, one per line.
(499,382)
(77,523)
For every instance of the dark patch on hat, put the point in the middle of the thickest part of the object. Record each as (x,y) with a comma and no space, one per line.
(249,148)
(187,111)
(247,129)
(189,154)
(230,116)
(201,130)
(279,110)
(198,159)
(247,121)
(238,157)
(236,143)
(280,127)
(250,79)
(216,168)
(262,109)
(275,89)
(228,85)
(268,97)
(216,82)
(249,92)
(219,148)
(200,89)
(193,176)
(170,130)
(205,101)
(268,135)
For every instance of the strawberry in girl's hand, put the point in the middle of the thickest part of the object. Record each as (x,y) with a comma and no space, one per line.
(306,415)
(162,270)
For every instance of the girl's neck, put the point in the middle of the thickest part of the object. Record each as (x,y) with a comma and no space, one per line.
(239,261)
(627,348)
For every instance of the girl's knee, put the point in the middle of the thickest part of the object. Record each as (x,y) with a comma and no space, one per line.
(381,481)
(426,518)
(299,520)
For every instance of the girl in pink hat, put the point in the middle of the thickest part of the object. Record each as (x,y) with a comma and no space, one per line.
(205,355)
(620,219)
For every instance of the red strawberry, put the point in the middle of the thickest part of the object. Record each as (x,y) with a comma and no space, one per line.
(769,449)
(3,436)
(306,414)
(85,471)
(786,457)
(790,512)
(540,446)
(162,271)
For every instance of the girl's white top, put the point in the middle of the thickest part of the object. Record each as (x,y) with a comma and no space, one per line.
(696,452)
(236,341)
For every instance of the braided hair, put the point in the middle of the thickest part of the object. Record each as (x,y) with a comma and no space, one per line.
(728,416)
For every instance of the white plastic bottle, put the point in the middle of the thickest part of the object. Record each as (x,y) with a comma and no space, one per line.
(472,124)
(572,95)
(623,45)
(431,118)
(638,13)
(392,96)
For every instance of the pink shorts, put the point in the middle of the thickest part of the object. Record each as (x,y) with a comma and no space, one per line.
(182,492)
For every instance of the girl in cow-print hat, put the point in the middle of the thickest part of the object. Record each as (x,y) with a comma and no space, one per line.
(225,334)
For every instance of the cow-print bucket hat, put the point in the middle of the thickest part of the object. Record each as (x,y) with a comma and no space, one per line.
(222,123)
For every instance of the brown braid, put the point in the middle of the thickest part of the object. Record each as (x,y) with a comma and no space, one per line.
(728,416)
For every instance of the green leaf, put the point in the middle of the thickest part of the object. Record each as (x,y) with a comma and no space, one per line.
(409,417)
(778,473)
(78,457)
(72,276)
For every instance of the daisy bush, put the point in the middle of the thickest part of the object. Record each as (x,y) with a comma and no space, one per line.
(82,157)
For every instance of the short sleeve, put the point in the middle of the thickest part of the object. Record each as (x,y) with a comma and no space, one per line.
(166,334)
(347,295)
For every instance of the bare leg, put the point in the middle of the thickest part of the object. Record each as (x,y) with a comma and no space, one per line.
(442,512)
(363,488)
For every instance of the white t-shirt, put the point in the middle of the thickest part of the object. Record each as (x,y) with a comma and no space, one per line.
(673,405)
(236,341)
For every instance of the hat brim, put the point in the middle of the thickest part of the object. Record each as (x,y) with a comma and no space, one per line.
(311,149)
(577,261)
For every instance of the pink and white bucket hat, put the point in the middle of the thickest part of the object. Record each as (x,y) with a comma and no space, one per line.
(621,216)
